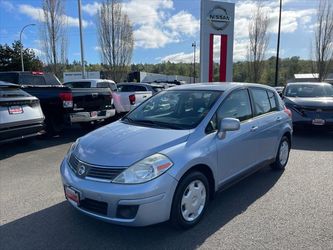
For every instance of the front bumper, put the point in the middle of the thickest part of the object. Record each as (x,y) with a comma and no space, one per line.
(87,116)
(153,198)
(308,118)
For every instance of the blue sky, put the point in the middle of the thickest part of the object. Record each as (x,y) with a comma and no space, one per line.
(163,29)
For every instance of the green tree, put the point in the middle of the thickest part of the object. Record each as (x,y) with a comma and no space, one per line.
(10,58)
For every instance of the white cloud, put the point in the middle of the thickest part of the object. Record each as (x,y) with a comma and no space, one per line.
(7,6)
(37,14)
(91,9)
(154,26)
(181,57)
(183,22)
(151,37)
(38,52)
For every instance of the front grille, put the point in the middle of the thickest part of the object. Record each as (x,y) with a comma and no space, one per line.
(101,173)
(104,173)
(94,206)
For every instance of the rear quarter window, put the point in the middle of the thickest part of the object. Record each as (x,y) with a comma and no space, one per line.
(78,84)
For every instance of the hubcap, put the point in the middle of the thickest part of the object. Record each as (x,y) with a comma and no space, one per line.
(193,201)
(284,152)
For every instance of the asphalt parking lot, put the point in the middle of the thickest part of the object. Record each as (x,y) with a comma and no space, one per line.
(268,210)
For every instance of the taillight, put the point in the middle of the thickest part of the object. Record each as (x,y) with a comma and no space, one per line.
(132,99)
(288,112)
(67,99)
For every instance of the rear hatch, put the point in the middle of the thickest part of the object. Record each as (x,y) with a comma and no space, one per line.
(18,108)
(91,99)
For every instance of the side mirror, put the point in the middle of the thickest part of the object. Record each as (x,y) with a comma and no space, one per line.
(228,124)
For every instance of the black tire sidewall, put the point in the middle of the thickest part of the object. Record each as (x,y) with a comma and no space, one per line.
(176,215)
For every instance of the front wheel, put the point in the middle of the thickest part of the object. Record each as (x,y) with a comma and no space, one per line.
(282,157)
(190,200)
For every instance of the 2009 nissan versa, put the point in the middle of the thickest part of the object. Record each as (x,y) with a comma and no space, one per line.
(166,159)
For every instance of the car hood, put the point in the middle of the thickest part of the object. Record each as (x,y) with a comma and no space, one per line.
(119,144)
(310,101)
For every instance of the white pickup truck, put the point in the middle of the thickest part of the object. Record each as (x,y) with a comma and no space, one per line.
(130,95)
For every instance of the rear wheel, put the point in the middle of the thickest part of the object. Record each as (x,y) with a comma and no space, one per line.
(54,125)
(190,200)
(282,157)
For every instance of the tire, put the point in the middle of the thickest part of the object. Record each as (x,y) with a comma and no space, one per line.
(54,125)
(195,181)
(281,159)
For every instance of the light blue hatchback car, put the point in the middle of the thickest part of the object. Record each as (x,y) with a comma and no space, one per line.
(166,159)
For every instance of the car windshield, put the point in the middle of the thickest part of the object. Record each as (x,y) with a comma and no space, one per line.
(309,90)
(174,109)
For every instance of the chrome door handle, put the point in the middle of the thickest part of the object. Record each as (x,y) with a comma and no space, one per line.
(278,119)
(254,128)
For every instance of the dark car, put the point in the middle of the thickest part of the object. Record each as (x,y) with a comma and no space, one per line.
(60,104)
(311,103)
(20,114)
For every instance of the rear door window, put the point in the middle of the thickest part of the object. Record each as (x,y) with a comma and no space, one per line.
(103,85)
(236,105)
(139,88)
(125,88)
(260,101)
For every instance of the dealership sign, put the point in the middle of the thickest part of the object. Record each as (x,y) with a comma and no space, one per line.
(218,18)
(216,40)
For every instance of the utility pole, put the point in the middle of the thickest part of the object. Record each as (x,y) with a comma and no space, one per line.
(81,41)
(21,45)
(278,49)
(194,45)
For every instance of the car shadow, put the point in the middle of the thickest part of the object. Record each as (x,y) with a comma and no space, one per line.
(10,149)
(313,140)
(62,227)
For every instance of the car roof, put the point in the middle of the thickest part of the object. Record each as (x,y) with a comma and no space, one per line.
(218,86)
(309,83)
(134,83)
(7,84)
(90,80)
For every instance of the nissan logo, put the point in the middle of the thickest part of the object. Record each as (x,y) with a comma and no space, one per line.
(218,18)
(81,171)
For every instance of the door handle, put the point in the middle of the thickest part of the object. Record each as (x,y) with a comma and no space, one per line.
(254,128)
(278,119)
(144,96)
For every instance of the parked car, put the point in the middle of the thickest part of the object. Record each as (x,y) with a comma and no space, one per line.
(20,114)
(311,104)
(279,89)
(92,83)
(61,105)
(129,95)
(166,162)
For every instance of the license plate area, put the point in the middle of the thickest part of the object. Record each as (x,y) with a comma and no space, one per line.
(318,122)
(14,110)
(72,194)
(93,114)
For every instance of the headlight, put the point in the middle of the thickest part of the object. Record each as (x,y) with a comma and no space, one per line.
(145,170)
(73,146)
